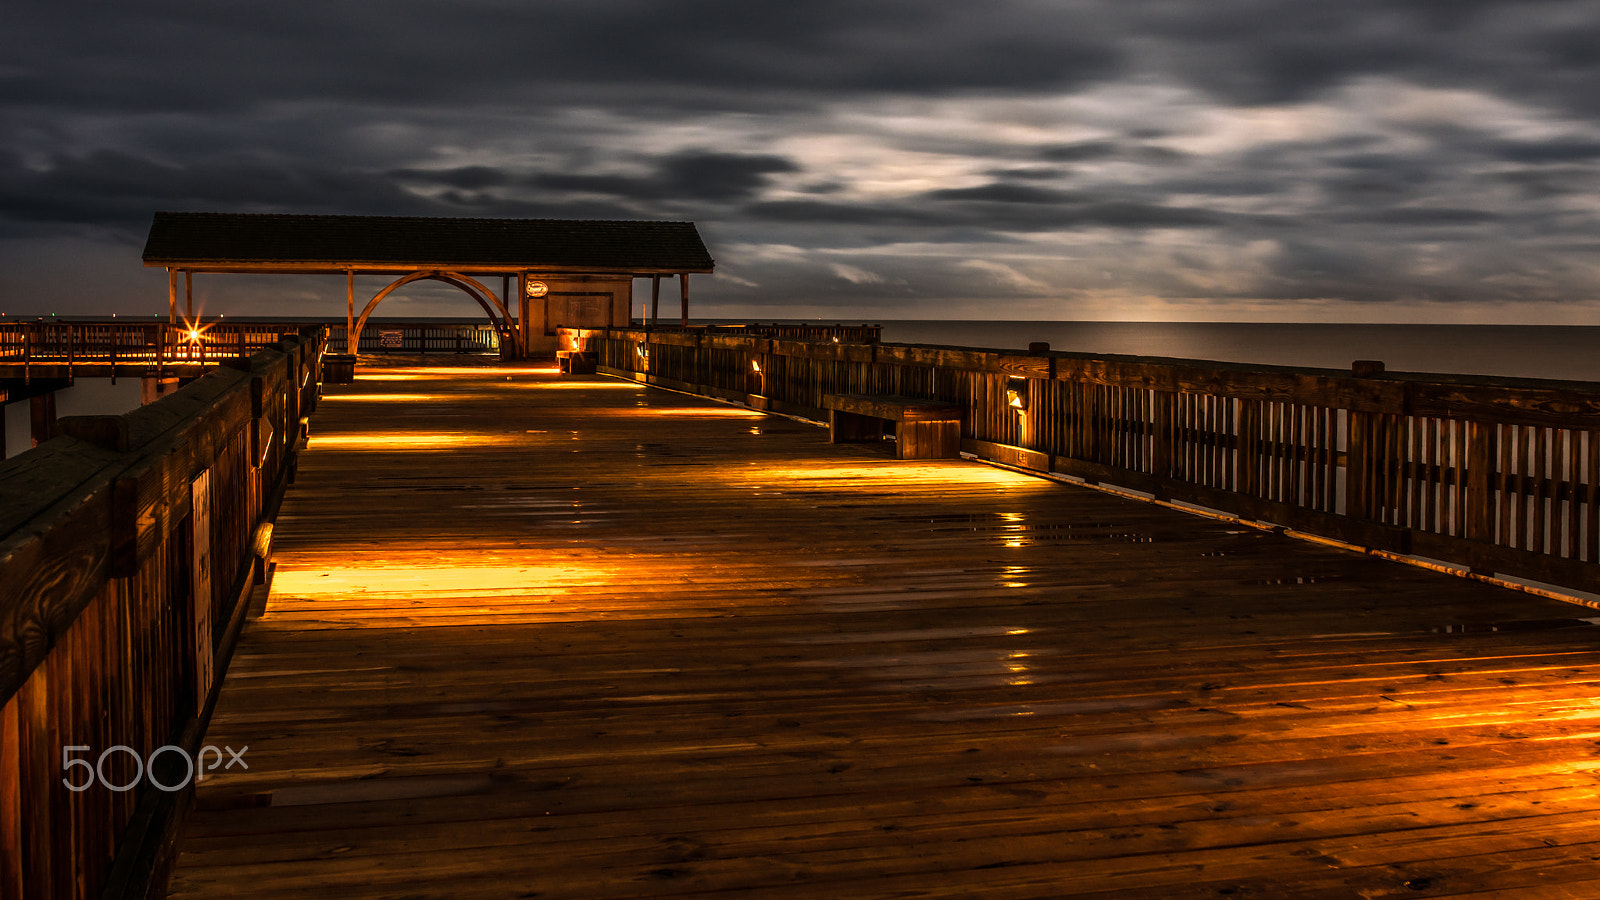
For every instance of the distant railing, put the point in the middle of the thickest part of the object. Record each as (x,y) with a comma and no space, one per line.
(422,337)
(853,334)
(1499,475)
(128,548)
(63,348)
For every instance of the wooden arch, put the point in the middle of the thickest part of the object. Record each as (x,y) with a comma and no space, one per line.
(503,322)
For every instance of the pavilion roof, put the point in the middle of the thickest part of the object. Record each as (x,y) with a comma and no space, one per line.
(282,242)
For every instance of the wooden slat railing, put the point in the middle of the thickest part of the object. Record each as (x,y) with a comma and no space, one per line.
(801,331)
(1500,475)
(422,337)
(115,622)
(63,348)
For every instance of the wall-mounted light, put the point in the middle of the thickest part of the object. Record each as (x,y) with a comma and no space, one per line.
(1017,393)
(755,366)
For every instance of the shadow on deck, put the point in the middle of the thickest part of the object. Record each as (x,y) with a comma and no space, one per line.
(534,637)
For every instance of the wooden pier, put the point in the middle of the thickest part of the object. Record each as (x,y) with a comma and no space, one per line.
(535,636)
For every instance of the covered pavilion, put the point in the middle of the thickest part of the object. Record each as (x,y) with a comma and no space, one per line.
(568,272)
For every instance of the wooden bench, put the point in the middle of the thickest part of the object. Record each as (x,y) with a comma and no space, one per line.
(924,429)
(577,362)
(338,368)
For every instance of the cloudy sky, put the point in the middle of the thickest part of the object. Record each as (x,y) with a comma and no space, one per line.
(1366,160)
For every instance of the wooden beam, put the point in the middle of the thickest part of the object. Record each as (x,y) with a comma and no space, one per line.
(655,299)
(525,309)
(683,287)
(188,294)
(42,417)
(172,296)
(350,341)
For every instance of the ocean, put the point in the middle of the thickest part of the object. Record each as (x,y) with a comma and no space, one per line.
(1566,352)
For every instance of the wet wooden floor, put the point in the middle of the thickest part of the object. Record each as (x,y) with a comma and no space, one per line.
(541,638)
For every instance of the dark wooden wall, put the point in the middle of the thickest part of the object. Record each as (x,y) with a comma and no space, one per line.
(1498,475)
(98,644)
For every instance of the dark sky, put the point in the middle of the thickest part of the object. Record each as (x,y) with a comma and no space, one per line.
(1366,160)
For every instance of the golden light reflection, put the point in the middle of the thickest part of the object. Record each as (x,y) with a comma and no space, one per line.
(472,370)
(457,372)
(388,398)
(432,581)
(900,473)
(405,441)
(584,385)
(699,413)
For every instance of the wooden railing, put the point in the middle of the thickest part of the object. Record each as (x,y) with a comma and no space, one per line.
(852,334)
(1498,475)
(128,545)
(421,337)
(64,348)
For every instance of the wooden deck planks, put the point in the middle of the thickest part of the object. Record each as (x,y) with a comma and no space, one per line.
(579,638)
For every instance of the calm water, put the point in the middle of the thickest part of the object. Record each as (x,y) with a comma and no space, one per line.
(1530,351)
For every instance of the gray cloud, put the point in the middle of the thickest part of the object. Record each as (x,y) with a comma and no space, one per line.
(939,154)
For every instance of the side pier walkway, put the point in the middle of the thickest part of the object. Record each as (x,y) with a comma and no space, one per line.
(543,637)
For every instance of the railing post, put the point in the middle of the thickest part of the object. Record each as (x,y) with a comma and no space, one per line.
(1088,412)
(1161,435)
(1479,469)
(1247,450)
(1358,464)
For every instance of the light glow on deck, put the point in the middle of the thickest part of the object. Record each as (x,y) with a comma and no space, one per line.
(389,398)
(584,385)
(691,413)
(401,441)
(899,472)
(432,582)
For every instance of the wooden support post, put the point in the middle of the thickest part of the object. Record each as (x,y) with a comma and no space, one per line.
(172,295)
(655,299)
(188,295)
(350,341)
(683,288)
(42,416)
(524,344)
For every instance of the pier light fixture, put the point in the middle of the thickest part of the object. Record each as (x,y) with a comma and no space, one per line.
(1017,393)
(755,366)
